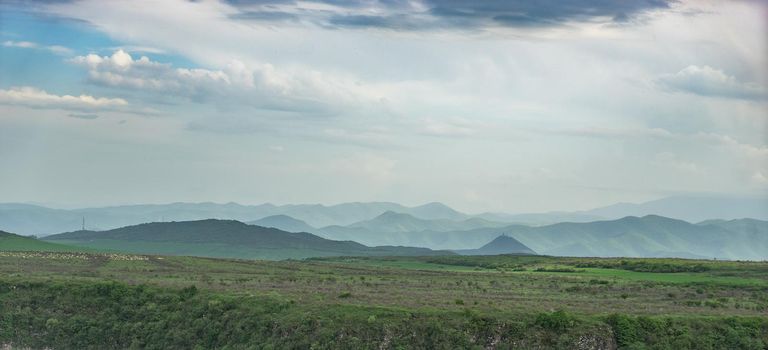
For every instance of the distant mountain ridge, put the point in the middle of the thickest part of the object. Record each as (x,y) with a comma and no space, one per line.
(283,222)
(32,219)
(648,236)
(391,221)
(223,238)
(691,208)
(333,221)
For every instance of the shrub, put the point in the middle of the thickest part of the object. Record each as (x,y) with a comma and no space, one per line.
(557,321)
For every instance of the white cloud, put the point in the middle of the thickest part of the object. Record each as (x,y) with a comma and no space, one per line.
(373,168)
(21,44)
(506,88)
(672,160)
(259,85)
(364,137)
(37,98)
(612,133)
(708,81)
(448,128)
(759,178)
(56,49)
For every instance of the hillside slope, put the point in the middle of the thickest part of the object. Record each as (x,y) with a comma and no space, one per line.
(14,242)
(500,245)
(223,238)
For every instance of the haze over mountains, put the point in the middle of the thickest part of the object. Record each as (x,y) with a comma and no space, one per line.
(647,236)
(222,238)
(632,230)
(29,219)
(37,220)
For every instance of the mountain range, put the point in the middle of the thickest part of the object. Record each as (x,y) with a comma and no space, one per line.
(691,208)
(650,236)
(721,231)
(223,238)
(647,236)
(37,220)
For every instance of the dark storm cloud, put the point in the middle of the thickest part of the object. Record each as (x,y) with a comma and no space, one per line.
(458,14)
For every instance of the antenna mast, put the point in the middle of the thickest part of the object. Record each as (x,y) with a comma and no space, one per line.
(83,223)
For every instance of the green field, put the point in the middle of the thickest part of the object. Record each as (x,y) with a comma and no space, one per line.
(381,302)
(197,249)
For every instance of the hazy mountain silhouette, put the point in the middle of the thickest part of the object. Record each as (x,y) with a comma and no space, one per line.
(400,222)
(283,222)
(648,236)
(222,238)
(692,208)
(32,219)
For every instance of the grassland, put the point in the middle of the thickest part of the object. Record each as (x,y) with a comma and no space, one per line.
(12,242)
(482,301)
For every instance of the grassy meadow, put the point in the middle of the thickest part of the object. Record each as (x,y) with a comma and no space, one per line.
(384,302)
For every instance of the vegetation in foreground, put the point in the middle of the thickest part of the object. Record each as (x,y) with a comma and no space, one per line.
(81,300)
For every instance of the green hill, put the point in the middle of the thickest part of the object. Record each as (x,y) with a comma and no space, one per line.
(223,238)
(13,242)
(500,245)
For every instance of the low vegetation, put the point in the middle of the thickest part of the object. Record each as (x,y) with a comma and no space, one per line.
(106,300)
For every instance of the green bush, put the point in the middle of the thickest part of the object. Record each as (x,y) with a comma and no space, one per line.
(557,321)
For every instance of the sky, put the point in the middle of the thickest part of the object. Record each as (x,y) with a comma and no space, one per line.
(498,105)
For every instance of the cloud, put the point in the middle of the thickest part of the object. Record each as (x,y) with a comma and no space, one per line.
(371,167)
(759,178)
(56,49)
(431,14)
(37,98)
(83,116)
(674,161)
(258,85)
(363,137)
(611,133)
(708,81)
(452,128)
